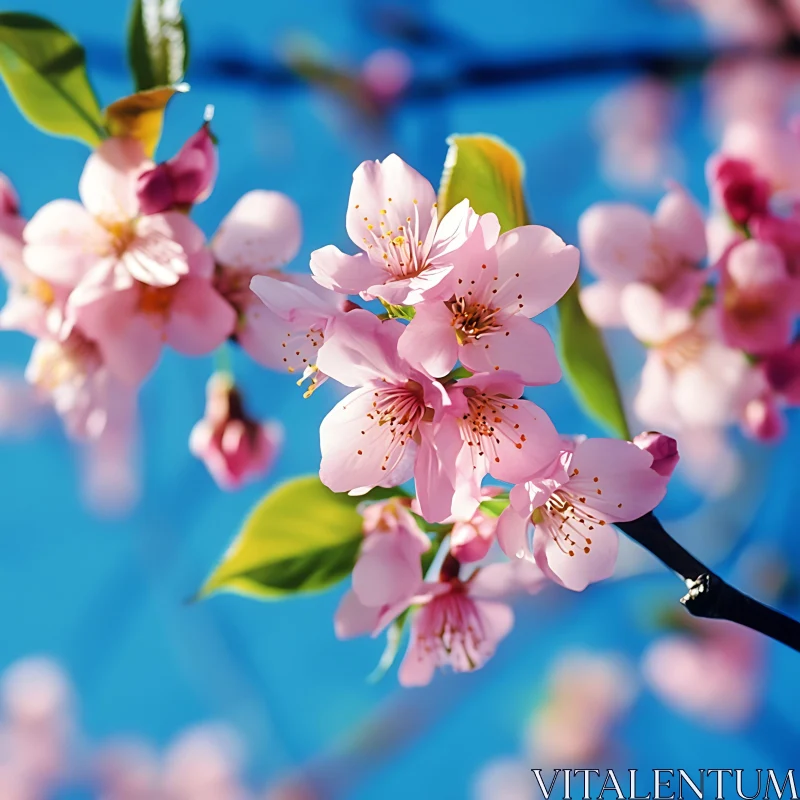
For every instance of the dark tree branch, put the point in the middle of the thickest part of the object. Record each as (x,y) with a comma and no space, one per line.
(709,595)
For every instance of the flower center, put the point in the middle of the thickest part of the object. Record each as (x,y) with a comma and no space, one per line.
(452,633)
(487,423)
(569,521)
(42,291)
(683,349)
(122,233)
(155,300)
(471,320)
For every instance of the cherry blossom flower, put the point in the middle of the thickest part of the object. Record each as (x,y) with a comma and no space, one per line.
(407,253)
(260,234)
(372,436)
(623,245)
(455,624)
(763,416)
(758,298)
(495,432)
(234,447)
(105,242)
(131,325)
(485,322)
(600,481)
(712,672)
(664,450)
(84,392)
(298,315)
(388,569)
(184,180)
(472,538)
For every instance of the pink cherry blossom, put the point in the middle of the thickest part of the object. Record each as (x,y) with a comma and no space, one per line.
(713,672)
(456,624)
(496,289)
(388,569)
(773,152)
(235,448)
(738,188)
(105,242)
(185,179)
(743,21)
(757,298)
(472,538)
(691,378)
(600,481)
(84,392)
(407,253)
(372,436)
(498,433)
(260,234)
(624,245)
(297,316)
(132,325)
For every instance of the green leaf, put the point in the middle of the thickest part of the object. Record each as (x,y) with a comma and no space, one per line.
(485,170)
(495,507)
(141,115)
(44,69)
(587,365)
(301,537)
(490,173)
(398,312)
(158,43)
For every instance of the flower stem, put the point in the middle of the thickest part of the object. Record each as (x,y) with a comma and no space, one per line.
(709,595)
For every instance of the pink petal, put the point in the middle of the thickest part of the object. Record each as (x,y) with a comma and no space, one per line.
(353,618)
(616,240)
(418,665)
(363,348)
(63,242)
(457,227)
(108,184)
(200,319)
(602,303)
(527,350)
(354,447)
(129,340)
(374,183)
(158,256)
(429,341)
(653,403)
(297,299)
(260,233)
(680,225)
(512,534)
(507,578)
(626,486)
(578,571)
(651,318)
(386,572)
(431,284)
(535,263)
(339,272)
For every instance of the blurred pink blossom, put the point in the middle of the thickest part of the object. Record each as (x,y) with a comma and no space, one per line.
(235,448)
(385,75)
(713,672)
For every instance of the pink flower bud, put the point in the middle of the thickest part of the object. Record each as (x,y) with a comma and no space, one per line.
(234,447)
(9,201)
(185,179)
(742,192)
(782,371)
(664,450)
(763,420)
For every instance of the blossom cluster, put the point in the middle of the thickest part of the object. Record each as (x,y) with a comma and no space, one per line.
(714,301)
(105,283)
(437,386)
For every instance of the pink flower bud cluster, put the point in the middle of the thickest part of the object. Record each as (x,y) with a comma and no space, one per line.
(715,304)
(436,393)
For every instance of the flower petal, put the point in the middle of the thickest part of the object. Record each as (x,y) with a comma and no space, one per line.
(340,272)
(200,319)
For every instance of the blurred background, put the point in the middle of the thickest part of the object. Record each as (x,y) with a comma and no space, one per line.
(605,100)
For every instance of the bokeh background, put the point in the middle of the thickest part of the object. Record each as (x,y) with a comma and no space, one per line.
(105,595)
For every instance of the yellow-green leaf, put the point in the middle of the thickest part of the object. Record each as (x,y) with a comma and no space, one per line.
(301,537)
(487,171)
(490,174)
(141,115)
(587,365)
(158,43)
(44,69)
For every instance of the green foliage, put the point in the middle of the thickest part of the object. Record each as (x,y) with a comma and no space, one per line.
(301,537)
(44,69)
(158,44)
(490,174)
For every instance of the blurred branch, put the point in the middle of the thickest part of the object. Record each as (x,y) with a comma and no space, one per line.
(709,595)
(481,73)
